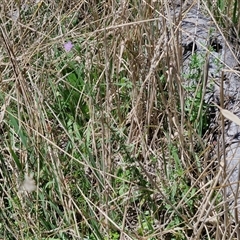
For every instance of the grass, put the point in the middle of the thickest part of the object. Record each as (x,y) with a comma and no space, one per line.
(117,146)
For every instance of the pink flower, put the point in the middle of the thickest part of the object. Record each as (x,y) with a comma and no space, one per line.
(68,46)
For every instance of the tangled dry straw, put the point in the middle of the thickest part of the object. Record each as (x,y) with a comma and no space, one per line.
(119,147)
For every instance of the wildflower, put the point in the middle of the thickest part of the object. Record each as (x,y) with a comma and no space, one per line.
(68,46)
(28,184)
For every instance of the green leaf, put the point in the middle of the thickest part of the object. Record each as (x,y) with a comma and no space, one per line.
(18,130)
(15,158)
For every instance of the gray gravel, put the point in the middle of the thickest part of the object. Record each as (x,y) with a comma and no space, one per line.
(200,31)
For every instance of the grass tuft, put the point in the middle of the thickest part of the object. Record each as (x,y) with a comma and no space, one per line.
(96,119)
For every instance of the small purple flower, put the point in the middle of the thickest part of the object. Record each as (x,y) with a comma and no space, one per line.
(68,46)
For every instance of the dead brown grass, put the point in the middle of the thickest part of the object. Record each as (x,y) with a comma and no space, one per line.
(134,152)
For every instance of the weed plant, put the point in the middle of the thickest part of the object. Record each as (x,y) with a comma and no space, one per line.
(99,137)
